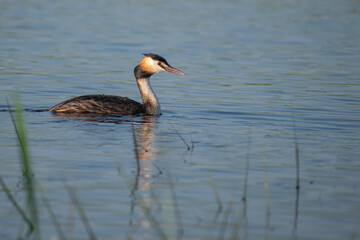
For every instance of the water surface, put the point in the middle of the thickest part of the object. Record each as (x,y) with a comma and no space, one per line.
(255,69)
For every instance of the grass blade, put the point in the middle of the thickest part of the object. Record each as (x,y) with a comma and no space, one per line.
(15,204)
(177,132)
(297,157)
(145,209)
(180,228)
(267,193)
(29,183)
(51,214)
(78,207)
(244,198)
(215,192)
(225,220)
(297,169)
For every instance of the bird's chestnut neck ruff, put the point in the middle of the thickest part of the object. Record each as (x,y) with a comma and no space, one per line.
(140,73)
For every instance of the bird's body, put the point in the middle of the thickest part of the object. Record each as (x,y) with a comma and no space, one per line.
(107,104)
(99,104)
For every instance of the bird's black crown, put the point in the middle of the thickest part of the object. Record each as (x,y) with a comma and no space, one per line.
(156,57)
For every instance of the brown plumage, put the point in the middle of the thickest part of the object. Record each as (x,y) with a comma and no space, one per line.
(106,104)
(99,104)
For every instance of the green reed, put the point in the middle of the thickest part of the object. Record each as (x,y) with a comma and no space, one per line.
(17,117)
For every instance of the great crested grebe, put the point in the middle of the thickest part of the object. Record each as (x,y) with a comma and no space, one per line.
(105,104)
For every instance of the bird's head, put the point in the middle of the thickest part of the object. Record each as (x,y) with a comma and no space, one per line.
(153,63)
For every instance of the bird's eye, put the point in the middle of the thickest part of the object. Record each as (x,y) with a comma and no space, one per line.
(159,63)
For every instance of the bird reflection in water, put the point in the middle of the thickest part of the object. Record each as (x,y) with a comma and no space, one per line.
(143,136)
(144,149)
(144,140)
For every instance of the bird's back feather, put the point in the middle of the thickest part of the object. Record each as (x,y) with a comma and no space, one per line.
(99,104)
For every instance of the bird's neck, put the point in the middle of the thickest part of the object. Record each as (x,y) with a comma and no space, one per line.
(150,101)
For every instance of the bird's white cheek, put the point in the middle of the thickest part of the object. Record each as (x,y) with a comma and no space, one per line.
(161,69)
(157,68)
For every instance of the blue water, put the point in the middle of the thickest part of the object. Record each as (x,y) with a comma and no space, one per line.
(257,72)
